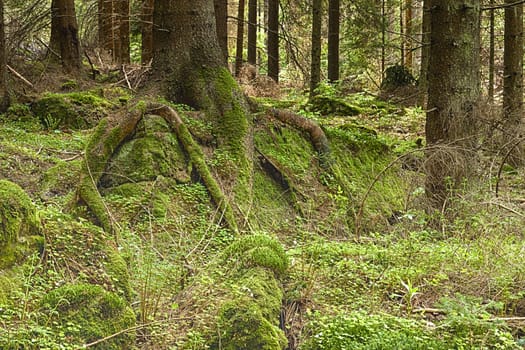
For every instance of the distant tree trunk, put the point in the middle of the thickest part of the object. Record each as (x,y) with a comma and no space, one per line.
(383,38)
(315,70)
(453,82)
(105,23)
(123,35)
(64,22)
(147,31)
(513,80)
(4,92)
(240,38)
(491,53)
(252,32)
(221,23)
(333,40)
(402,32)
(425,53)
(408,35)
(273,39)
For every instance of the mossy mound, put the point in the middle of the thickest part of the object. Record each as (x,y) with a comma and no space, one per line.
(60,179)
(257,251)
(153,151)
(329,105)
(87,253)
(95,314)
(19,224)
(357,138)
(250,321)
(75,110)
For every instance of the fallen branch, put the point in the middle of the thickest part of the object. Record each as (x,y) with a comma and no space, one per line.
(19,76)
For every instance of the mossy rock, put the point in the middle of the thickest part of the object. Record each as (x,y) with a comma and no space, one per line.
(357,138)
(251,319)
(19,224)
(328,105)
(153,151)
(75,110)
(60,179)
(87,312)
(397,76)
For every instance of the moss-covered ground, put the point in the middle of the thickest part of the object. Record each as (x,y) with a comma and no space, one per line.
(338,257)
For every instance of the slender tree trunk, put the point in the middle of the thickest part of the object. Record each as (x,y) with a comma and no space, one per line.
(315,70)
(4,92)
(123,35)
(221,22)
(513,80)
(240,38)
(64,22)
(402,32)
(273,39)
(408,35)
(252,32)
(147,31)
(491,53)
(333,40)
(453,81)
(425,53)
(105,23)
(383,38)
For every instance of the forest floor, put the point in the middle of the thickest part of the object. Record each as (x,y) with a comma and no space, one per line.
(366,265)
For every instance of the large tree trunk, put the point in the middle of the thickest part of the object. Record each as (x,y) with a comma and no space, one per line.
(273,39)
(240,38)
(221,22)
(190,62)
(64,25)
(333,40)
(252,32)
(147,31)
(513,81)
(453,81)
(315,68)
(4,93)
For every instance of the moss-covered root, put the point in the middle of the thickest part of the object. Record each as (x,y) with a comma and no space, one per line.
(250,320)
(317,135)
(197,158)
(96,313)
(108,136)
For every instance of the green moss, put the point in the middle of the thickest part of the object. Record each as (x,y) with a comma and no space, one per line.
(75,110)
(8,284)
(117,270)
(257,251)
(18,222)
(60,179)
(332,105)
(87,313)
(251,319)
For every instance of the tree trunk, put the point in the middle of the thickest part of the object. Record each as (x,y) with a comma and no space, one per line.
(453,81)
(105,13)
(123,34)
(252,32)
(491,53)
(513,81)
(240,38)
(273,39)
(333,40)
(190,62)
(64,22)
(425,53)
(4,93)
(147,31)
(315,70)
(221,21)
(408,35)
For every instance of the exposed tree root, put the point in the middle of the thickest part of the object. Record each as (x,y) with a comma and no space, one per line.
(317,135)
(197,158)
(108,136)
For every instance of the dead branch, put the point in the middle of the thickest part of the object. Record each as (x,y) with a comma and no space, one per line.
(19,76)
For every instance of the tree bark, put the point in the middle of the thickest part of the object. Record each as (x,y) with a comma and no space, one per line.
(105,13)
(273,39)
(240,38)
(147,31)
(513,81)
(408,35)
(453,80)
(315,68)
(123,35)
(64,23)
(425,53)
(333,40)
(221,20)
(252,32)
(4,92)
(491,53)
